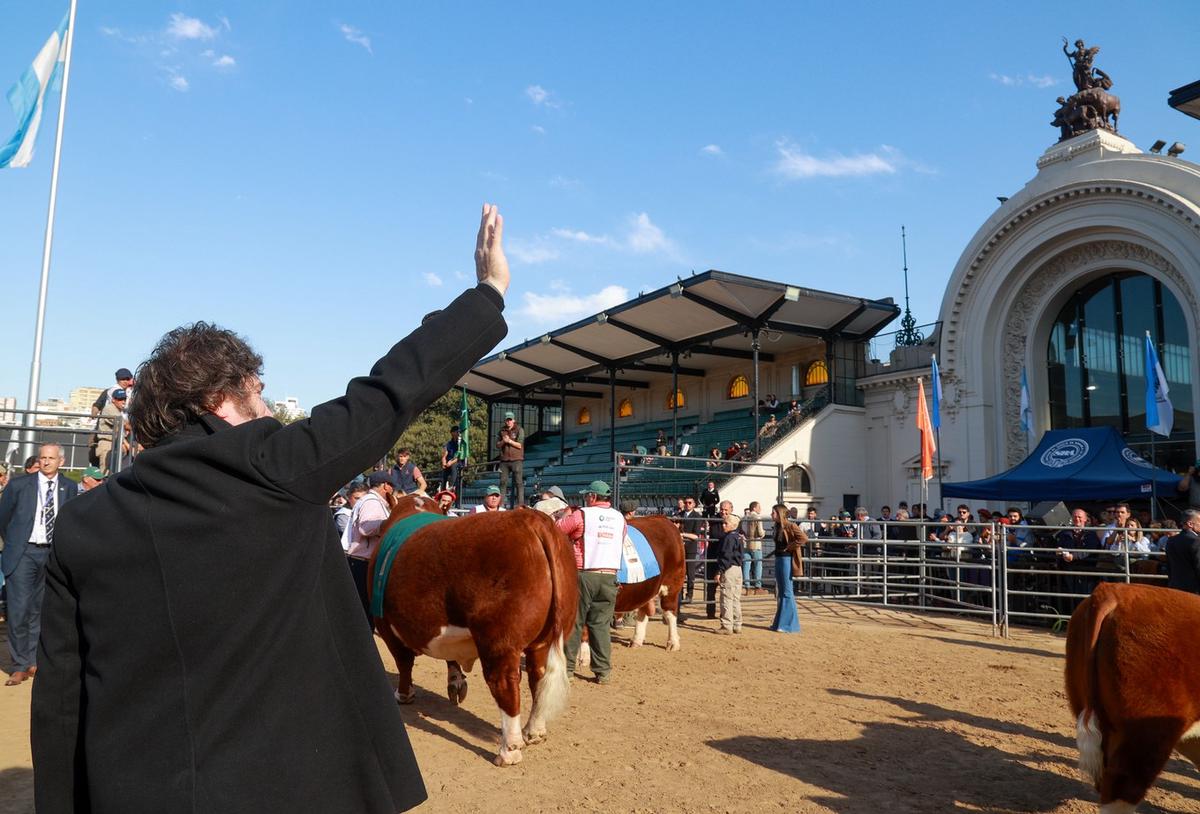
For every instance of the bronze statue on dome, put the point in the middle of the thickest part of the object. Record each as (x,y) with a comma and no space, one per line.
(1092,106)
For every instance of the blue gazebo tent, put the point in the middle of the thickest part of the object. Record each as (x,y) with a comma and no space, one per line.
(1083,464)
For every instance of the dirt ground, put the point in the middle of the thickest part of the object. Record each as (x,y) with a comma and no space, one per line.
(865,711)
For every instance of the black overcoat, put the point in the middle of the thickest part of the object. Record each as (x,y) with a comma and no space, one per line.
(203,647)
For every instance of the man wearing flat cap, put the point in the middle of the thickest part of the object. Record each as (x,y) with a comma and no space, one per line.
(597,533)
(92,477)
(511,440)
(203,648)
(113,423)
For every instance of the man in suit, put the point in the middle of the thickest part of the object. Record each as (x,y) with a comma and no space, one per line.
(28,513)
(203,646)
(1183,555)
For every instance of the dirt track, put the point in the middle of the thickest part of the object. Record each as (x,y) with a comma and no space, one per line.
(864,712)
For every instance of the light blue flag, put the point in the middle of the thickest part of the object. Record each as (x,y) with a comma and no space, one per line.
(1160,415)
(26,98)
(936,386)
(1026,409)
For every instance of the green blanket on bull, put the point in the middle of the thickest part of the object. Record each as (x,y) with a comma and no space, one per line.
(388,549)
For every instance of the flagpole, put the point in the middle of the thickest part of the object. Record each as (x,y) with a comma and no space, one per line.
(937,437)
(35,371)
(1153,481)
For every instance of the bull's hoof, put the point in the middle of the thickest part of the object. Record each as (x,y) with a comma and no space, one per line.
(406,698)
(532,737)
(509,756)
(456,691)
(636,642)
(673,645)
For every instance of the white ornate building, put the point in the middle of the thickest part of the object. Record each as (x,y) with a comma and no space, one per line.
(1064,279)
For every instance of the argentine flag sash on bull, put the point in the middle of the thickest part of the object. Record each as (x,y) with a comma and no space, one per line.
(638,562)
(26,99)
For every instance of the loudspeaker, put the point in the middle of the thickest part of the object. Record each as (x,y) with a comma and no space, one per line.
(1051,514)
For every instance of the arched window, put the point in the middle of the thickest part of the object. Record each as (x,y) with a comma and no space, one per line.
(1096,360)
(797,479)
(817,373)
(625,408)
(676,401)
(585,416)
(739,387)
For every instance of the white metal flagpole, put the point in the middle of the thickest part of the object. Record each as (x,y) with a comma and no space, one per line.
(35,371)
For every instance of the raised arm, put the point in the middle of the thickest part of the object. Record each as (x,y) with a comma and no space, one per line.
(313,457)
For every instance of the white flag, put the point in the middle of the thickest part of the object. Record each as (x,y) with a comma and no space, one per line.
(26,98)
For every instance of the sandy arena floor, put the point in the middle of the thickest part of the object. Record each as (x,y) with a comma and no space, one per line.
(865,711)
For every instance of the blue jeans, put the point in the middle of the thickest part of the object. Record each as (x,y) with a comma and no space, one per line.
(787,619)
(752,562)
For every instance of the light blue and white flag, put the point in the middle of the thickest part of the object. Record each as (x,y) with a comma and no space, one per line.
(26,98)
(936,386)
(1160,415)
(1026,409)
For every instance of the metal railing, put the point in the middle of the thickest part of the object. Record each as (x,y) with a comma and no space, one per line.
(20,440)
(990,571)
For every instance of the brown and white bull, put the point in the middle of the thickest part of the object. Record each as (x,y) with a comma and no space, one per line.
(1133,682)
(664,540)
(489,586)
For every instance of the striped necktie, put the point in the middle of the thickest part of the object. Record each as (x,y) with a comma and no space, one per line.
(48,512)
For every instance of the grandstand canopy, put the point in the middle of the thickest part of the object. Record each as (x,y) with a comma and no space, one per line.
(706,319)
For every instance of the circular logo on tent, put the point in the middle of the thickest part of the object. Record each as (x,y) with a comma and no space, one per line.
(1065,453)
(1135,459)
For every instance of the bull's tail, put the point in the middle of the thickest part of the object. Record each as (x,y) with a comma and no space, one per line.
(1082,678)
(553,690)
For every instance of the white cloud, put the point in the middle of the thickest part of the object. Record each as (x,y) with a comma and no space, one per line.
(646,238)
(432,279)
(182,27)
(178,81)
(355,36)
(1038,81)
(530,253)
(795,164)
(537,128)
(225,61)
(563,182)
(542,97)
(563,306)
(641,236)
(225,23)
(580,236)
(711,149)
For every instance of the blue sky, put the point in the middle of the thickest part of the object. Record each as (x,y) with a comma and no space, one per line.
(310,173)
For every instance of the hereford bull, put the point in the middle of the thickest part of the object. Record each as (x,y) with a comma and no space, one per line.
(1133,682)
(489,586)
(667,545)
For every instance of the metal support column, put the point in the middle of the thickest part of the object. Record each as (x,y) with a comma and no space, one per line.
(562,422)
(675,402)
(612,421)
(754,346)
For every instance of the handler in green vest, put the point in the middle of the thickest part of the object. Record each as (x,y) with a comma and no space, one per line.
(597,532)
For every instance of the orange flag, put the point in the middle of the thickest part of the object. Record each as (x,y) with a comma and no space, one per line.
(928,447)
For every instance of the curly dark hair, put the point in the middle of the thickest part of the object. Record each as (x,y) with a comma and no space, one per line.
(191,370)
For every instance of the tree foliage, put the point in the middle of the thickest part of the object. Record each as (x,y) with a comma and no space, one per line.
(430,431)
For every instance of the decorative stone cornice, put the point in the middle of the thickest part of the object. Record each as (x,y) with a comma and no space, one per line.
(1040,208)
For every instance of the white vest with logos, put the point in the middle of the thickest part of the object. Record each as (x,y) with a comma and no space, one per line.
(603,537)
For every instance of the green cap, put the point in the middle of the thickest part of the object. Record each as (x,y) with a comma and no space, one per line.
(493,490)
(596,487)
(93,472)
(509,414)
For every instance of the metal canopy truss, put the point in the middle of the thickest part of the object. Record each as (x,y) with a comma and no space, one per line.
(701,320)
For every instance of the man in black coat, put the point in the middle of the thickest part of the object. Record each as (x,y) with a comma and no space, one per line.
(1183,555)
(29,512)
(202,643)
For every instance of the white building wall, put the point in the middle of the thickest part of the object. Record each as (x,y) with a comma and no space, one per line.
(830,446)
